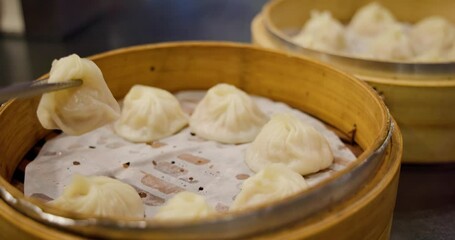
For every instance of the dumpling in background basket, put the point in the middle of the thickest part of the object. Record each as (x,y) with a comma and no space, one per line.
(228,115)
(371,20)
(287,140)
(100,196)
(185,206)
(322,32)
(274,182)
(392,44)
(77,110)
(149,114)
(432,37)
(451,53)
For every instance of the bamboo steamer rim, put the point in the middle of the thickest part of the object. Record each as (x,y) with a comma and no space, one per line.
(44,212)
(435,74)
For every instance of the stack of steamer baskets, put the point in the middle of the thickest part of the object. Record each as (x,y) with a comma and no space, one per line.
(420,96)
(354,203)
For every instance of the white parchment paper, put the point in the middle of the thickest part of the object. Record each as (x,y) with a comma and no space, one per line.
(160,169)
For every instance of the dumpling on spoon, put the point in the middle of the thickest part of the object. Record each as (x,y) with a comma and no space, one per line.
(81,109)
(228,115)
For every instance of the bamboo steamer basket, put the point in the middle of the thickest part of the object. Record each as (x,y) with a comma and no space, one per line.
(420,96)
(356,203)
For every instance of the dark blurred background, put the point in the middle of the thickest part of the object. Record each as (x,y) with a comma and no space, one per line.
(55,28)
(34,32)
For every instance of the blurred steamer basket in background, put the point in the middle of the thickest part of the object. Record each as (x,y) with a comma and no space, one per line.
(355,203)
(420,96)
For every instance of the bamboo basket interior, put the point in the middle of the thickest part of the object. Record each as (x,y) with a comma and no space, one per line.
(350,106)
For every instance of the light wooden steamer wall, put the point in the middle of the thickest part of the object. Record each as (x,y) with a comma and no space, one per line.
(334,97)
(420,96)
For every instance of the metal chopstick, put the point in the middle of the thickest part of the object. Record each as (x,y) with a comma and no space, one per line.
(29,89)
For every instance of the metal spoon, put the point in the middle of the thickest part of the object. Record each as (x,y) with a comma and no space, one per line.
(29,89)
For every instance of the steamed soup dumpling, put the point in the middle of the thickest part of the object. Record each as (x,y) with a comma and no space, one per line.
(432,36)
(392,44)
(272,183)
(149,114)
(371,20)
(287,140)
(100,196)
(322,32)
(184,206)
(80,109)
(228,115)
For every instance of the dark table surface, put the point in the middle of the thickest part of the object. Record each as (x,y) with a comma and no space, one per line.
(425,207)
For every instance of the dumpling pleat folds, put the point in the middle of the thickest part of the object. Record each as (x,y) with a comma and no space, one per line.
(80,109)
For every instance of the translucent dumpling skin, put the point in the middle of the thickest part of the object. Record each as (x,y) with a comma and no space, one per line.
(184,206)
(287,140)
(149,114)
(100,196)
(322,32)
(371,20)
(81,109)
(274,182)
(228,115)
(392,44)
(432,37)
